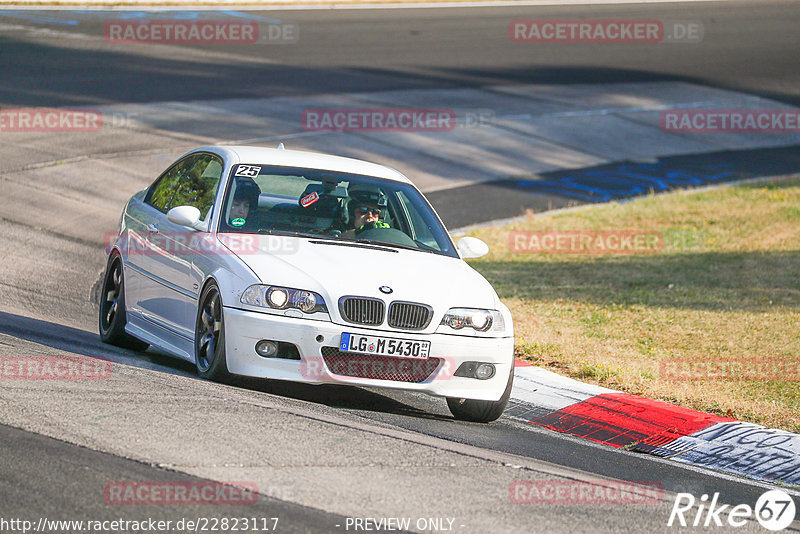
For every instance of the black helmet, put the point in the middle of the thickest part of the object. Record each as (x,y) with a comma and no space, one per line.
(247,189)
(367,196)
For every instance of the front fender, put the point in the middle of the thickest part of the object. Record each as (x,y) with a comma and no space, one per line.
(230,286)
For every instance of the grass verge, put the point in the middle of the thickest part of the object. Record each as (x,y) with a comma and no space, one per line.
(707,319)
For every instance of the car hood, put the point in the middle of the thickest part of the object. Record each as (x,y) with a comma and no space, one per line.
(336,270)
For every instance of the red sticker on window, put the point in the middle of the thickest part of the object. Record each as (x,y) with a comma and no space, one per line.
(309,199)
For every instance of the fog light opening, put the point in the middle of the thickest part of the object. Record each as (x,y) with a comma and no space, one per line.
(266,348)
(484,371)
(481,371)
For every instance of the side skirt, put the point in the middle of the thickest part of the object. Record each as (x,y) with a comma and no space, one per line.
(160,338)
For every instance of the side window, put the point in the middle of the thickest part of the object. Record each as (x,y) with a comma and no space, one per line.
(420,228)
(161,192)
(199,185)
(192,181)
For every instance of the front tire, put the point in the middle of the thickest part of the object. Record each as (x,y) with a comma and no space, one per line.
(112,316)
(209,337)
(481,411)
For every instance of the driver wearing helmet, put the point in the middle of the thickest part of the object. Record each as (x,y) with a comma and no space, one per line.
(366,205)
(244,202)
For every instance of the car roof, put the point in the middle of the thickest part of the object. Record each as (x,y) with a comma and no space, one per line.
(301,158)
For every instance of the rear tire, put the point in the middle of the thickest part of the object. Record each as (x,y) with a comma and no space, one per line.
(112,317)
(481,411)
(209,337)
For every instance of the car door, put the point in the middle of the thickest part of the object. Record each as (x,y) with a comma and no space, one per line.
(197,188)
(144,292)
(162,250)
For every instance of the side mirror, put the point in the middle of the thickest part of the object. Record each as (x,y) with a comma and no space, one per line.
(188,216)
(472,247)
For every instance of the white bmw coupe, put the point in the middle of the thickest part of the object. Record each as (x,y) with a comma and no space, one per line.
(312,268)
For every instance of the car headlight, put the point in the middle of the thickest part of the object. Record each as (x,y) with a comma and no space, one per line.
(282,298)
(475,319)
(277,297)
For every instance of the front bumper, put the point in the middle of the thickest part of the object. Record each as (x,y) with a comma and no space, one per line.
(243,329)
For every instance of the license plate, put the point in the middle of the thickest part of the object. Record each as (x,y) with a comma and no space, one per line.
(385,346)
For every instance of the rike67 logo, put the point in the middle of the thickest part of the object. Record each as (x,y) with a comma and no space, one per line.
(774,510)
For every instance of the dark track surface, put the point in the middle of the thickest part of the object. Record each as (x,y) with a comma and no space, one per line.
(618,180)
(746,47)
(60,481)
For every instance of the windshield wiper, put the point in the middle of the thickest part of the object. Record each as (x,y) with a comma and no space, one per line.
(292,233)
(335,240)
(348,243)
(391,245)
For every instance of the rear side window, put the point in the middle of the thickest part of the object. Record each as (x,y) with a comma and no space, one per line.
(192,181)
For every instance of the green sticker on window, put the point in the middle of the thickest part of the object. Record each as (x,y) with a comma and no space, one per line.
(238,221)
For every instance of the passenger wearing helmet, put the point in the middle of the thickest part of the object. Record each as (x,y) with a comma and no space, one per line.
(245,201)
(366,205)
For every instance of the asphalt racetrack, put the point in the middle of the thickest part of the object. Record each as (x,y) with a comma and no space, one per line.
(324,457)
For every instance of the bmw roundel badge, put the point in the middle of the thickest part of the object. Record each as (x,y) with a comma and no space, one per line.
(385,289)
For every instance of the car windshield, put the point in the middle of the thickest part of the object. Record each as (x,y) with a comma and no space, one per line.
(270,199)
